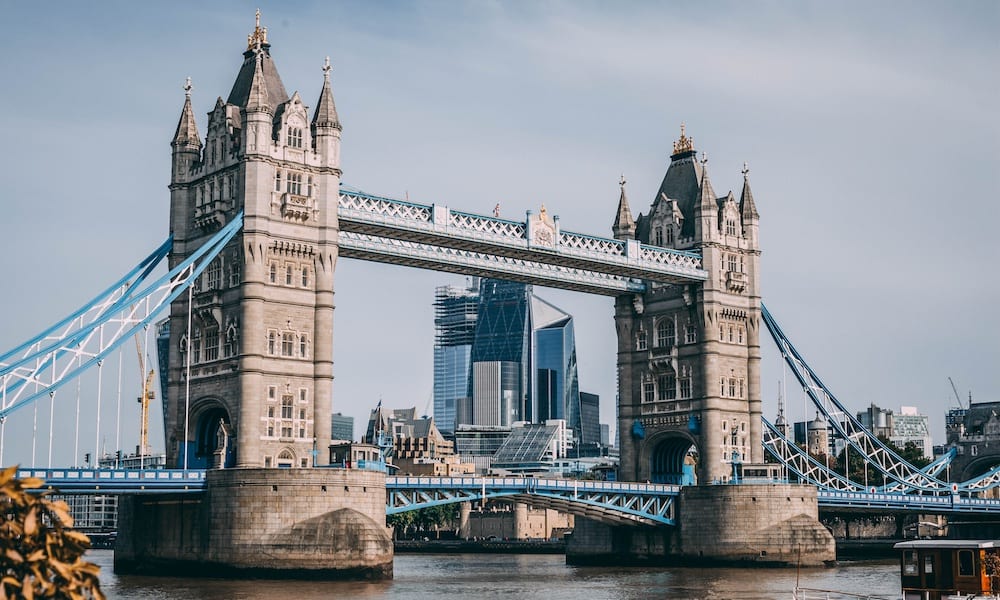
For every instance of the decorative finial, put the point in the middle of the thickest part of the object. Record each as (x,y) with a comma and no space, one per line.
(188,87)
(496,210)
(621,181)
(326,68)
(259,36)
(704,157)
(746,170)
(684,143)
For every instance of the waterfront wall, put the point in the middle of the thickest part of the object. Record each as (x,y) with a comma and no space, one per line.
(767,524)
(303,523)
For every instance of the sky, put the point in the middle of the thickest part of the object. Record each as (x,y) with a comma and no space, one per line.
(871,130)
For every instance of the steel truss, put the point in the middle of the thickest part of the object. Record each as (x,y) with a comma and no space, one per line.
(610,502)
(902,476)
(83,339)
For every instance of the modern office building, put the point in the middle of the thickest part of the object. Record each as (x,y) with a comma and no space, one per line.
(455,311)
(534,447)
(477,444)
(515,354)
(341,428)
(589,442)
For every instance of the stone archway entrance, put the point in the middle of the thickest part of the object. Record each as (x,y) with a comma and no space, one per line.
(211,426)
(673,460)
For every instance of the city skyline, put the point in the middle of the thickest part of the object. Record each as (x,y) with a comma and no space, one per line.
(870,134)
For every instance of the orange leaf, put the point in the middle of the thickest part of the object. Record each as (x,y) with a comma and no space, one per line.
(31,522)
(30,483)
(7,474)
(14,556)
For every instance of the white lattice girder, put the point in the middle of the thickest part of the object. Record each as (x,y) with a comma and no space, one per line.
(466,262)
(394,219)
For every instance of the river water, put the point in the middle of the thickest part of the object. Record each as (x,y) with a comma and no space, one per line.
(515,576)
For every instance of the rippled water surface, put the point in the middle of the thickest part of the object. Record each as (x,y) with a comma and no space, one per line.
(508,576)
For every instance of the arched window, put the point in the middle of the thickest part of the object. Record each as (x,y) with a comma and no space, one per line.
(286,406)
(658,236)
(277,181)
(286,459)
(666,336)
(305,276)
(273,273)
(640,340)
(272,342)
(288,274)
(302,345)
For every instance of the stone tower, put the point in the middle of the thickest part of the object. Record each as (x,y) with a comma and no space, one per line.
(689,355)
(260,341)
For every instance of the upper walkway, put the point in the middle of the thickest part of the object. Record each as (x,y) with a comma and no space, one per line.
(535,250)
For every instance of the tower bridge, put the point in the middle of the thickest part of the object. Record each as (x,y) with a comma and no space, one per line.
(259,217)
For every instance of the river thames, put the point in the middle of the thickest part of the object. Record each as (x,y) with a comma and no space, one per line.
(543,577)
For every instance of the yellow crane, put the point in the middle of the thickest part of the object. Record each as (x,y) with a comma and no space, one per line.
(147,395)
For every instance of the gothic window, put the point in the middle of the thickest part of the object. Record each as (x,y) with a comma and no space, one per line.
(286,431)
(288,274)
(730,333)
(231,186)
(732,262)
(666,385)
(665,333)
(267,459)
(305,276)
(234,272)
(213,275)
(270,412)
(304,462)
(648,390)
(740,388)
(211,191)
(196,346)
(272,343)
(670,235)
(302,434)
(690,334)
(302,414)
(294,185)
(271,392)
(286,458)
(730,227)
(685,387)
(294,137)
(658,236)
(231,341)
(213,154)
(277,180)
(722,387)
(722,336)
(302,345)
(640,340)
(286,406)
(273,273)
(270,433)
(287,343)
(732,387)
(740,331)
(212,343)
(302,395)
(309,186)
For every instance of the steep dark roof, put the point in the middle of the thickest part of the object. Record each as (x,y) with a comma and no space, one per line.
(748,210)
(682,184)
(624,225)
(276,93)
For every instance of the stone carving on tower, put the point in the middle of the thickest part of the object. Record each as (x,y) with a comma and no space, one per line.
(257,362)
(689,355)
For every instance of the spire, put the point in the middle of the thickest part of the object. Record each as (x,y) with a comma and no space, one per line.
(748,209)
(624,226)
(707,198)
(187,127)
(326,110)
(257,99)
(257,66)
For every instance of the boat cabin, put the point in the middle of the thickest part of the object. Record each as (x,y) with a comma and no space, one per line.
(949,569)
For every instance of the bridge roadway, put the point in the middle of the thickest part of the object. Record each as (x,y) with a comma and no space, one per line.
(607,501)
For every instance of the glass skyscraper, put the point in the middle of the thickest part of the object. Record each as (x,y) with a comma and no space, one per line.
(455,310)
(511,358)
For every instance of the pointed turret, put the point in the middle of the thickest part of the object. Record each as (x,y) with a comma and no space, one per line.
(326,110)
(624,226)
(707,207)
(748,209)
(186,136)
(257,98)
(326,124)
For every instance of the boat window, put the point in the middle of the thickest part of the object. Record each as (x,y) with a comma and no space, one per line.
(910,562)
(965,563)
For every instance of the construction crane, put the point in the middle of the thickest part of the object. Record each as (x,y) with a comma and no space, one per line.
(955,390)
(147,395)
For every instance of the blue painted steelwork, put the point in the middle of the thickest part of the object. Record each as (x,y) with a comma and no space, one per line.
(124,481)
(614,502)
(904,477)
(72,344)
(628,503)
